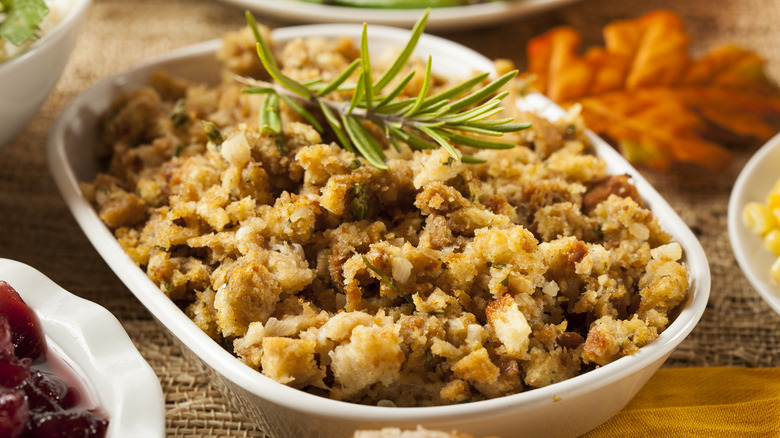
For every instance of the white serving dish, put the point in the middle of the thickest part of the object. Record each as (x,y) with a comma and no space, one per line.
(753,185)
(564,409)
(93,344)
(457,18)
(27,78)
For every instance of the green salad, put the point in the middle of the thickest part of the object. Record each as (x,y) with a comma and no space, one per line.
(20,20)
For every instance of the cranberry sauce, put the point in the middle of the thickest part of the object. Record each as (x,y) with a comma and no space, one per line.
(26,331)
(36,401)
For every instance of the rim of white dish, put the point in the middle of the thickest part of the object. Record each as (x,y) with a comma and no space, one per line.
(251,380)
(744,243)
(97,348)
(71,16)
(441,18)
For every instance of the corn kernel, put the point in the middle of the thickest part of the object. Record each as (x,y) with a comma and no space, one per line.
(773,201)
(764,220)
(772,241)
(757,217)
(775,270)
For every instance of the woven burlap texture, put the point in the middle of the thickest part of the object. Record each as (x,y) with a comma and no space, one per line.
(737,329)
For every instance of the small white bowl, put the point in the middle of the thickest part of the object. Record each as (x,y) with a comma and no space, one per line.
(753,185)
(564,409)
(27,78)
(93,344)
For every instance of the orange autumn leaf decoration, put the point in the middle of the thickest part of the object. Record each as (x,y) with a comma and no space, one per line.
(644,92)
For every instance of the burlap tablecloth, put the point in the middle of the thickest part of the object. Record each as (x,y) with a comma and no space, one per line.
(738,328)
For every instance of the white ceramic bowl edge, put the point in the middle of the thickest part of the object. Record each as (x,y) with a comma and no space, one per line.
(456,18)
(756,179)
(27,79)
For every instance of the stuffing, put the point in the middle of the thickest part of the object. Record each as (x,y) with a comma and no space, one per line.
(432,282)
(373,354)
(509,325)
(291,361)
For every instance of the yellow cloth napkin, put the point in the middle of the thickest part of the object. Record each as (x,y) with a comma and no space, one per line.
(701,402)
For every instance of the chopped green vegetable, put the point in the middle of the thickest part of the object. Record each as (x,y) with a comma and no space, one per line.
(20,19)
(179,115)
(212,132)
(360,199)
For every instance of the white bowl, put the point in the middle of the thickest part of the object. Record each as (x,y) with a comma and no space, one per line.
(753,185)
(27,78)
(456,18)
(568,408)
(93,344)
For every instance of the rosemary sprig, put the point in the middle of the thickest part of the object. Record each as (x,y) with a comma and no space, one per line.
(423,122)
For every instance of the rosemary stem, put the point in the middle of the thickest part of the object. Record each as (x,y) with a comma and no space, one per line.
(341,107)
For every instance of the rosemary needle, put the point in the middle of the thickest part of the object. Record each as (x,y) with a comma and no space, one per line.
(423,122)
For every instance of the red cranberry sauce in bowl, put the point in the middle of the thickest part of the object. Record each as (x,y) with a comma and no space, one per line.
(40,396)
